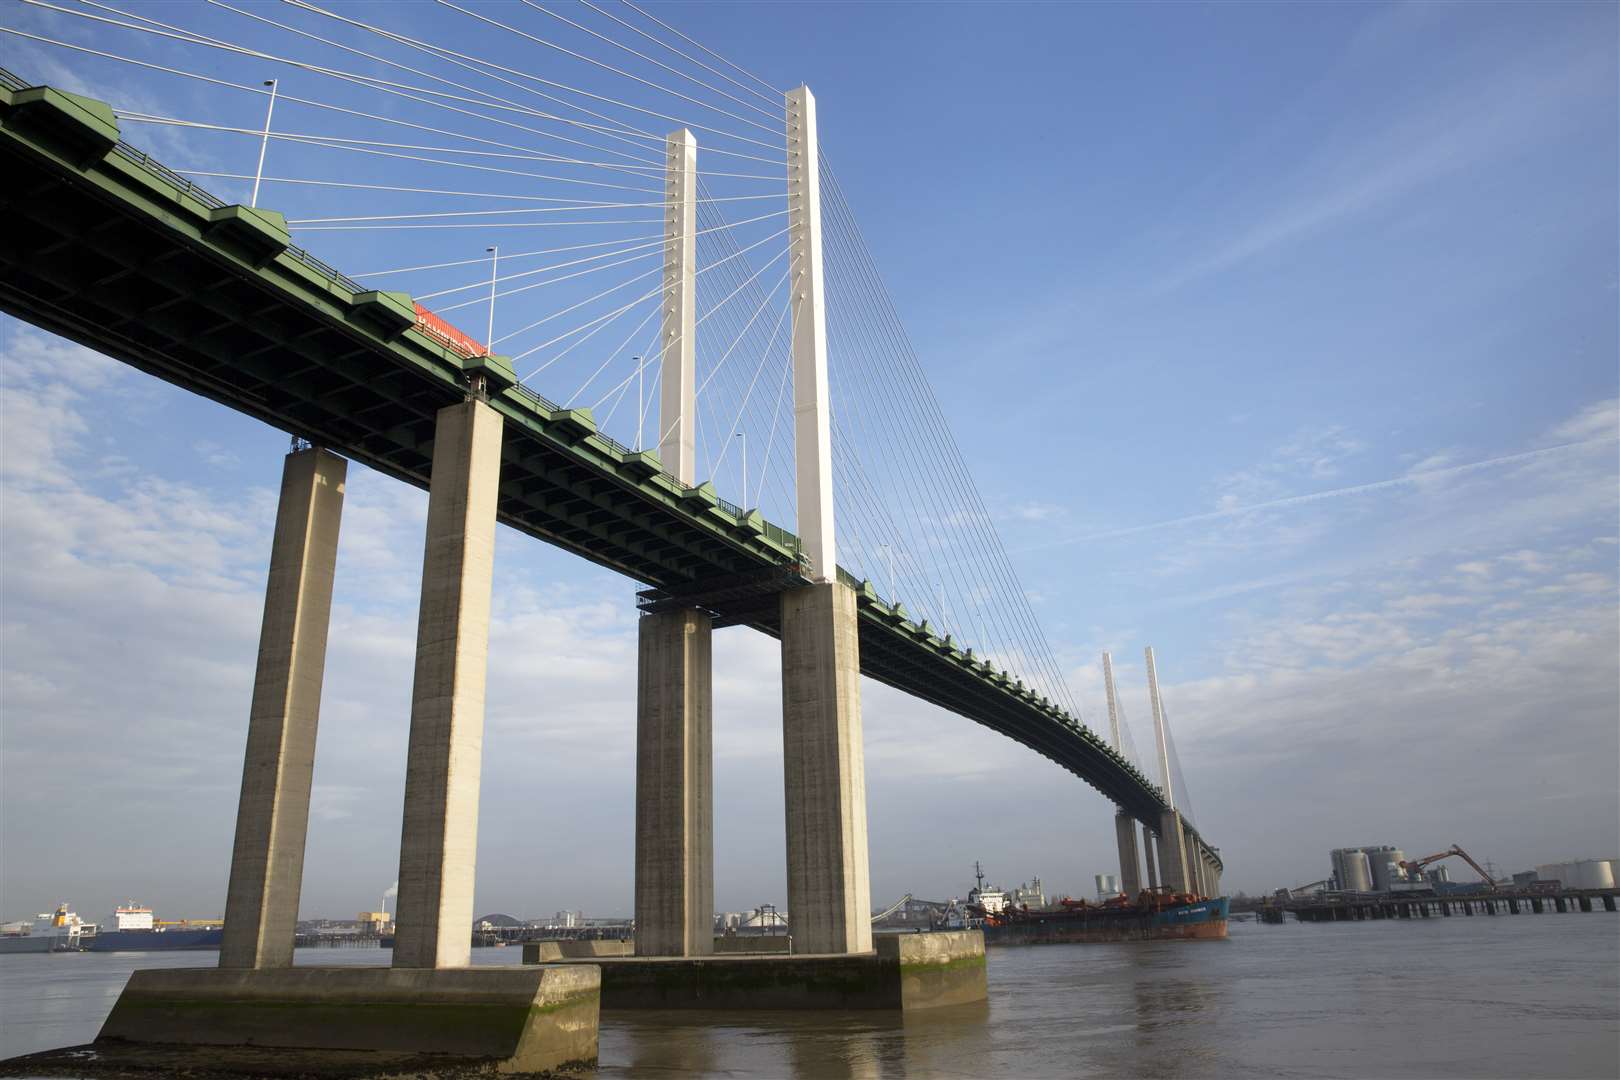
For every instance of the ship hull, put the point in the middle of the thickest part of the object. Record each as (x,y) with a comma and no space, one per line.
(1203,920)
(153,940)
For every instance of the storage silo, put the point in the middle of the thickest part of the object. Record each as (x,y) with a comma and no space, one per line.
(1385,863)
(1580,874)
(1352,870)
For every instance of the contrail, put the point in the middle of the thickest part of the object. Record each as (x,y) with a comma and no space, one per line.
(1317,496)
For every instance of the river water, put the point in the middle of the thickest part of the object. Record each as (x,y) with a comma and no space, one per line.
(1503,996)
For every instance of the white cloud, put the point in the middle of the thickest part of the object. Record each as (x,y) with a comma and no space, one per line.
(1406,150)
(1599,420)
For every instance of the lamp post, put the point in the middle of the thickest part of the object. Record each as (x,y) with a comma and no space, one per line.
(641,399)
(264,142)
(743,435)
(494,265)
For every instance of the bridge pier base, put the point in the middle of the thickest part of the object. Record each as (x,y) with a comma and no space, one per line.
(272,816)
(350,1021)
(1130,863)
(675,786)
(824,772)
(438,844)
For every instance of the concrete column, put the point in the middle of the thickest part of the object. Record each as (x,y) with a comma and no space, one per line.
(438,844)
(272,817)
(675,786)
(1149,859)
(1130,863)
(824,767)
(1173,853)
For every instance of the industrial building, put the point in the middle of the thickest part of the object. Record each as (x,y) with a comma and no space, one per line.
(1351,870)
(1581,873)
(1382,868)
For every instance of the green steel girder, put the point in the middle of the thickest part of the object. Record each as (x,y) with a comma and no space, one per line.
(100,244)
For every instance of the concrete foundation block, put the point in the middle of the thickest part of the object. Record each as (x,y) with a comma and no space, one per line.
(514,1020)
(937,969)
(762,943)
(546,952)
(904,972)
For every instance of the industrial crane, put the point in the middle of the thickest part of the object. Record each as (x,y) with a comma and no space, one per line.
(892,908)
(1413,866)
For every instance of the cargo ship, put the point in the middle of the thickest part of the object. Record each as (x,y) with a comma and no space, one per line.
(135,930)
(59,931)
(1155,915)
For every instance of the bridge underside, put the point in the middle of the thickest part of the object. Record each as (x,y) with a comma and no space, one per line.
(105,247)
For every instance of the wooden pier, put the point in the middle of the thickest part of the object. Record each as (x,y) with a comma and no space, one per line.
(1351,907)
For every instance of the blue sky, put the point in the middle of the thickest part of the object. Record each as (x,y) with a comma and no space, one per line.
(1169,269)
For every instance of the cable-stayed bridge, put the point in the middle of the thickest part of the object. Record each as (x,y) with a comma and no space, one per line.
(607,290)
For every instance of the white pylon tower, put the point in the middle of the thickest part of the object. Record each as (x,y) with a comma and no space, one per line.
(812,427)
(677,339)
(1158,727)
(1113,701)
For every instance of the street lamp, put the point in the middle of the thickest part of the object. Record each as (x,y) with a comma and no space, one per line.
(641,398)
(264,142)
(494,265)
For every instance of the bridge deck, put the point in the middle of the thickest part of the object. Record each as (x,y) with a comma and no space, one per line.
(102,245)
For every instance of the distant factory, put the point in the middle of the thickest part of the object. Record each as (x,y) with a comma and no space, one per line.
(1384,869)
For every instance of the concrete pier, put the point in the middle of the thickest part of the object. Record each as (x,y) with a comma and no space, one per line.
(439,838)
(1150,859)
(1500,901)
(903,972)
(1130,863)
(356,1021)
(824,771)
(272,816)
(1173,873)
(674,786)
